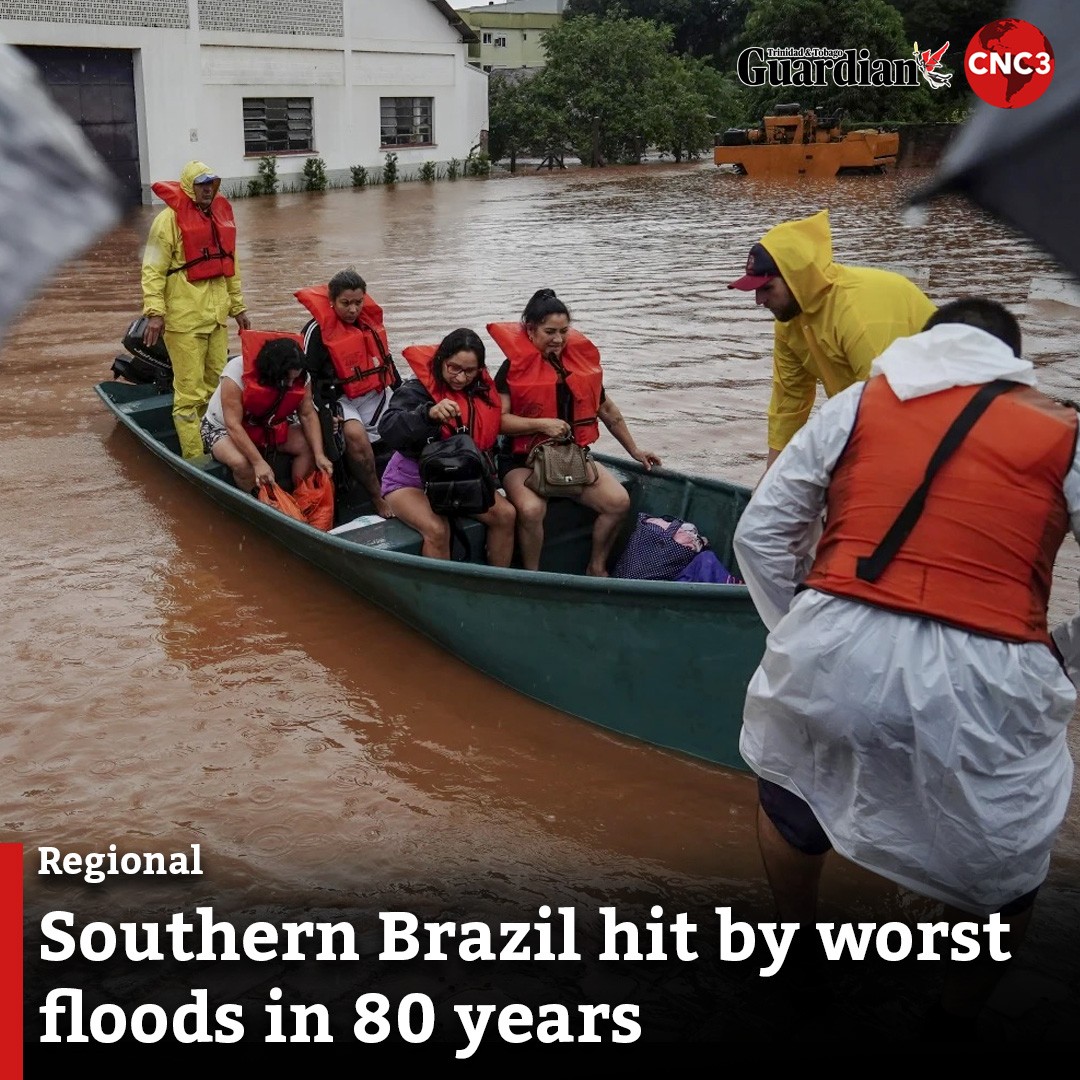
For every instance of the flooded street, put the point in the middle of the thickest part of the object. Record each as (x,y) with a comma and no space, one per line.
(173,677)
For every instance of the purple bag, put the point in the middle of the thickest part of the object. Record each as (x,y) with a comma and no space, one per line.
(707,568)
(653,554)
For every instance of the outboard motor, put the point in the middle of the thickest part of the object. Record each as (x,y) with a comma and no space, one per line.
(147,363)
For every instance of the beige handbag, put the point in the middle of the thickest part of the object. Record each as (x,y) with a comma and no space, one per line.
(560,467)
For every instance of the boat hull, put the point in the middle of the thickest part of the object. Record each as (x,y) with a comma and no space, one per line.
(664,662)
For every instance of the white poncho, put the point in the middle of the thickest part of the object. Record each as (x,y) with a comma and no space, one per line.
(930,755)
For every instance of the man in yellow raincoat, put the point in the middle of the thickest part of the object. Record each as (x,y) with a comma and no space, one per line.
(832,321)
(191,286)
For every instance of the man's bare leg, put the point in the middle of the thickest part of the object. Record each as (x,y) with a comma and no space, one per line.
(793,875)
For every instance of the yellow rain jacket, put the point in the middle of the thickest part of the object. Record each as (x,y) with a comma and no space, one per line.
(850,315)
(188,306)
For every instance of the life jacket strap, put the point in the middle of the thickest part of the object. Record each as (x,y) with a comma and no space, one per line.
(871,567)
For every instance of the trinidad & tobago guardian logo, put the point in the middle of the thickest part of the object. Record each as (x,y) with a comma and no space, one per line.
(1009,63)
(758,66)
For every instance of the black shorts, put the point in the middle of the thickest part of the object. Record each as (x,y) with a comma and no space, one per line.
(797,824)
(505,462)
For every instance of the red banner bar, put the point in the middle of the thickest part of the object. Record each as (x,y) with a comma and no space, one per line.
(11,961)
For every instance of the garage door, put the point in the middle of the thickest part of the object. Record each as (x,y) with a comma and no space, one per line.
(96,88)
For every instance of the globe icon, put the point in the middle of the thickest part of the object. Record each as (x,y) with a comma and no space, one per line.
(1009,63)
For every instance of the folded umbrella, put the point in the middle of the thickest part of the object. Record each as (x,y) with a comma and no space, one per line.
(1022,164)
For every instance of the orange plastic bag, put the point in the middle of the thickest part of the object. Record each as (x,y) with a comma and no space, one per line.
(314,495)
(276,496)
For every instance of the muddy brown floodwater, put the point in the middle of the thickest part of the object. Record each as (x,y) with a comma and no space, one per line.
(172,677)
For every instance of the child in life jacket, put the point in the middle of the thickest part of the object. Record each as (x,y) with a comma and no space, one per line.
(263,405)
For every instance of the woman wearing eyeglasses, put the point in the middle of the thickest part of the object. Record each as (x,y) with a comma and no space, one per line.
(552,386)
(452,389)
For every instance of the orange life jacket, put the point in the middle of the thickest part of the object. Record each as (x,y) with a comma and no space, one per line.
(482,417)
(209,239)
(532,381)
(266,408)
(359,352)
(981,555)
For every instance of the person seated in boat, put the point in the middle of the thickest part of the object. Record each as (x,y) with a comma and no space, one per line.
(346,348)
(255,408)
(552,387)
(452,388)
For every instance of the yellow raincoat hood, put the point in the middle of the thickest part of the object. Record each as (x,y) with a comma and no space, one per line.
(187,306)
(187,178)
(803,252)
(850,315)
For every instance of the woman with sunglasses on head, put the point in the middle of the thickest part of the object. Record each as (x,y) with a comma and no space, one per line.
(552,387)
(452,389)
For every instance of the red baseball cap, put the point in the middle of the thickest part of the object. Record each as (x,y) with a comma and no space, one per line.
(760,270)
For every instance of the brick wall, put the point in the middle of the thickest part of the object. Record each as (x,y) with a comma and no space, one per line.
(321,18)
(171,14)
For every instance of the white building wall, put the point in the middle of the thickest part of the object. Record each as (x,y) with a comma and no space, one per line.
(476,105)
(190,83)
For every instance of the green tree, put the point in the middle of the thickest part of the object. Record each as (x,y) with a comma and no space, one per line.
(611,88)
(702,28)
(687,102)
(933,22)
(604,86)
(717,30)
(521,119)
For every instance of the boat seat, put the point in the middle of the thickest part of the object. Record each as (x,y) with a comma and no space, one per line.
(393,535)
(138,406)
(567,533)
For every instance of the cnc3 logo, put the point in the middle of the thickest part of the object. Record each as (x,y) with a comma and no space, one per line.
(1009,63)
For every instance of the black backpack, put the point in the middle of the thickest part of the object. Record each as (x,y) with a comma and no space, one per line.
(456,476)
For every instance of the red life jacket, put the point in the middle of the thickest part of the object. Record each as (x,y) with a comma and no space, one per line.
(266,408)
(209,239)
(981,555)
(482,417)
(532,381)
(359,352)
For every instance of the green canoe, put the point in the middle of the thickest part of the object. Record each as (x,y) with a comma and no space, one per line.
(666,662)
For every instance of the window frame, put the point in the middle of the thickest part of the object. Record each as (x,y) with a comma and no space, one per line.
(298,116)
(500,41)
(418,134)
(485,37)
